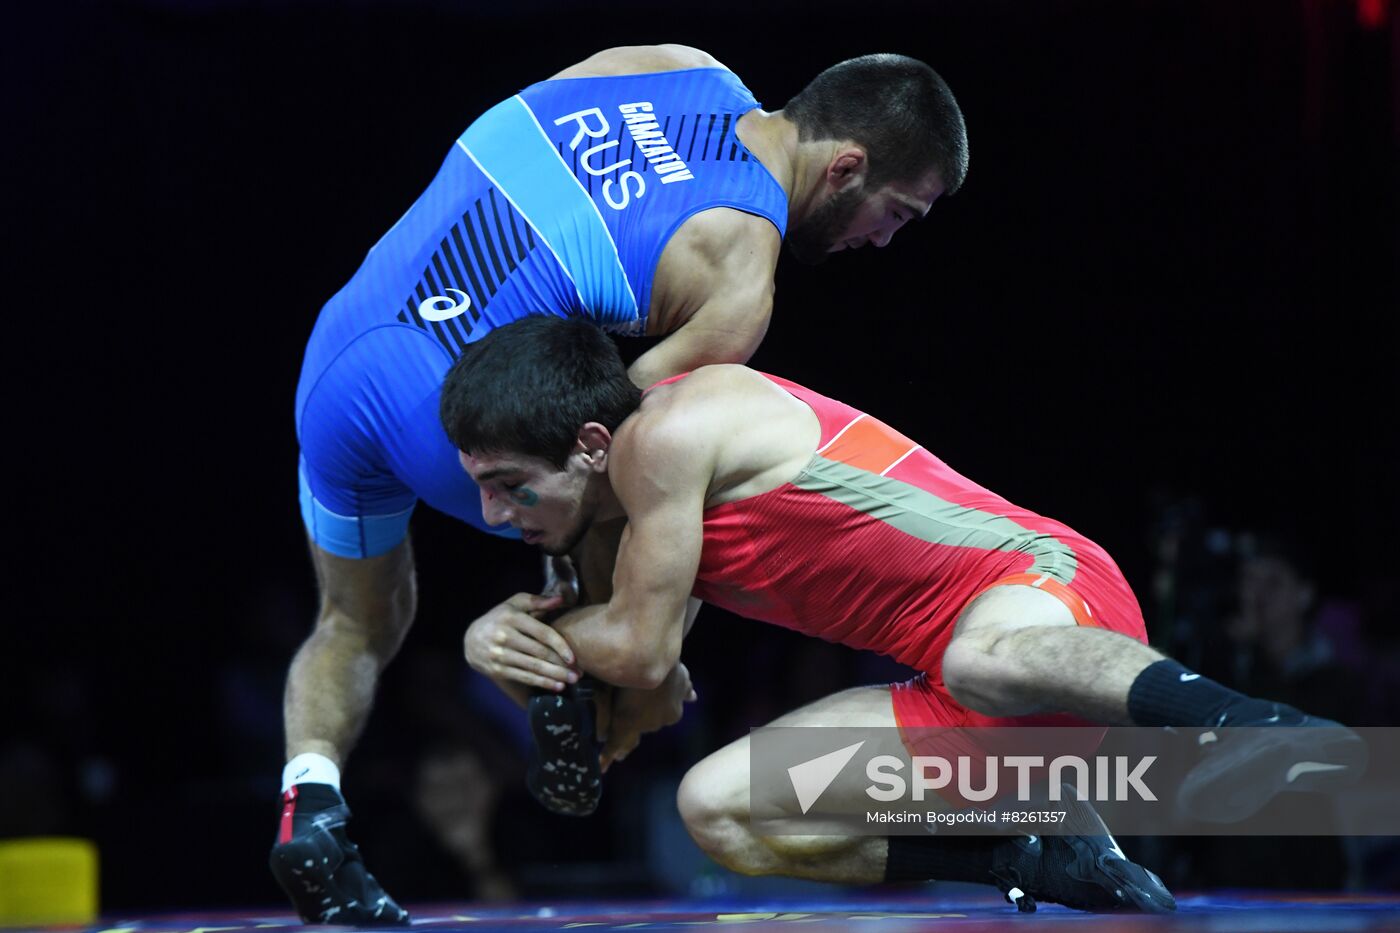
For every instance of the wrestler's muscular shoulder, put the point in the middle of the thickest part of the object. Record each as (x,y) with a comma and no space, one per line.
(718,256)
(750,434)
(721,257)
(639,59)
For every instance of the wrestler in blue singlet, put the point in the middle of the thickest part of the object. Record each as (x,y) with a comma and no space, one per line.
(556,201)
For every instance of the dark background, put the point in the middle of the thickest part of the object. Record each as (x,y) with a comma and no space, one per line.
(1162,305)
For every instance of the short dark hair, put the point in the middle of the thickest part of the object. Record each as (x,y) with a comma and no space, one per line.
(896,107)
(529,386)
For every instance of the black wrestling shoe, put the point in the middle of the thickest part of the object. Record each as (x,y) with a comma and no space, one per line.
(320,869)
(1245,763)
(564,772)
(1086,872)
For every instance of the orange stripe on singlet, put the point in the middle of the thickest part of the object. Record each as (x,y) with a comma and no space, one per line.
(1073,601)
(867,444)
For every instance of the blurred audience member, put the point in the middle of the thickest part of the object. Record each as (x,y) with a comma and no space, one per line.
(1286,643)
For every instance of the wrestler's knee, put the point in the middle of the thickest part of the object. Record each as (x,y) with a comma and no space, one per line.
(713,803)
(702,806)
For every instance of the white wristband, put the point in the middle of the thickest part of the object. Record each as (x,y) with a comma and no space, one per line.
(310,768)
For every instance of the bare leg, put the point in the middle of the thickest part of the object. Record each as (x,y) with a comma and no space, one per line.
(714,802)
(367,607)
(1085,872)
(1017,650)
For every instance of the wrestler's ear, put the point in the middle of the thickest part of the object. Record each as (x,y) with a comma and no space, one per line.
(593,443)
(848,166)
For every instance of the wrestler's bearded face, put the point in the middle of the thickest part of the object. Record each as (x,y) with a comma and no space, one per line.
(813,239)
(859,215)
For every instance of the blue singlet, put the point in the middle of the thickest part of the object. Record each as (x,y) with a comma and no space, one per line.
(556,201)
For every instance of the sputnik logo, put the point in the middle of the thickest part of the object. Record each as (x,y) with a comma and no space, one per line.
(811,778)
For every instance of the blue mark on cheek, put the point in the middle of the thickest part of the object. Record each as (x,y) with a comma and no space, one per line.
(526,496)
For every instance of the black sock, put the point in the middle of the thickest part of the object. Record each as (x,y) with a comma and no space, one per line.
(1167,694)
(940,858)
(313,798)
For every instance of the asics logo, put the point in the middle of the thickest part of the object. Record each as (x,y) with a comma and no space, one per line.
(442,308)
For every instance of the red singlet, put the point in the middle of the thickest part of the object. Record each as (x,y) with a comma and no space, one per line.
(879,545)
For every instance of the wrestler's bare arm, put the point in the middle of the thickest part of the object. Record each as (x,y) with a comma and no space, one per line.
(712,294)
(660,473)
(724,433)
(712,290)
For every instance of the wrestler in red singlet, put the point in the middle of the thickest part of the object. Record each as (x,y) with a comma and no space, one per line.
(879,545)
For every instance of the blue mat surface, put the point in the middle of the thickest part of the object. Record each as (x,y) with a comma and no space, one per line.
(1228,912)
